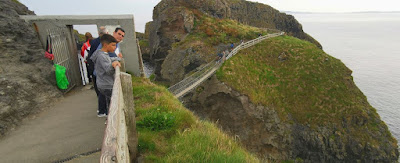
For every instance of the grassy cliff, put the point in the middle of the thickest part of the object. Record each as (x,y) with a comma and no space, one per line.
(307,87)
(214,31)
(284,98)
(168,132)
(207,37)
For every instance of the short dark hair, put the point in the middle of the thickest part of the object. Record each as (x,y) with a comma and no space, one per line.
(119,28)
(106,39)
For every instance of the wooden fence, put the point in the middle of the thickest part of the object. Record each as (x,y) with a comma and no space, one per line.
(120,137)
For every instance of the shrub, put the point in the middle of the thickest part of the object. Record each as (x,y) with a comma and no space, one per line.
(157,119)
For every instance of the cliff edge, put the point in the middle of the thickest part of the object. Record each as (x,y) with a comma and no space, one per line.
(286,99)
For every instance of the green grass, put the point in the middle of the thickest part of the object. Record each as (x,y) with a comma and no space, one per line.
(215,31)
(81,37)
(156,119)
(144,43)
(168,132)
(208,32)
(152,77)
(309,87)
(17,1)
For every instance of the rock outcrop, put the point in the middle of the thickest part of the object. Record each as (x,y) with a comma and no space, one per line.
(173,20)
(250,13)
(27,80)
(261,130)
(168,27)
(144,43)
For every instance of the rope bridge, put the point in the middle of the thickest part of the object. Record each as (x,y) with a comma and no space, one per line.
(204,72)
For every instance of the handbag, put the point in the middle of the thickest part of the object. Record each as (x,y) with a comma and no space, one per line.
(49,50)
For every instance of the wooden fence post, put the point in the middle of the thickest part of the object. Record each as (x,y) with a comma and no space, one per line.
(129,109)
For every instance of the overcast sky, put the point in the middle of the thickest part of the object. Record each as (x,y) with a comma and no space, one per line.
(143,9)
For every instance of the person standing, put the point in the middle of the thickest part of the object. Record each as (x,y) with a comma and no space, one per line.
(86,46)
(82,58)
(105,69)
(119,35)
(225,53)
(94,44)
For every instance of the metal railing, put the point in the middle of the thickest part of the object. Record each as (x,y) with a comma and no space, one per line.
(119,131)
(62,55)
(191,82)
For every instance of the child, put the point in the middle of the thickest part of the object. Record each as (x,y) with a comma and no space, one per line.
(105,69)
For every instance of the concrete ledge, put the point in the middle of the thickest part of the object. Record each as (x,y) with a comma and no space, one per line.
(75,17)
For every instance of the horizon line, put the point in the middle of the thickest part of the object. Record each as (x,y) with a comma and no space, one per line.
(343,12)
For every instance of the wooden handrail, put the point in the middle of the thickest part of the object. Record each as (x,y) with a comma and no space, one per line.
(115,143)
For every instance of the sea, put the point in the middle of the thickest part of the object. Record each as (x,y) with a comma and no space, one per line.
(368,44)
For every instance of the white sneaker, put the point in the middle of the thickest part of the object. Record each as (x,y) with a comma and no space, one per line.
(101,115)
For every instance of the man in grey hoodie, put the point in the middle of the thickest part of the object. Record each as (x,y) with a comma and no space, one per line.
(105,69)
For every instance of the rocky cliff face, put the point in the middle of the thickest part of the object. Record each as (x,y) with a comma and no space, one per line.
(168,27)
(173,21)
(27,81)
(144,43)
(261,130)
(250,13)
(257,127)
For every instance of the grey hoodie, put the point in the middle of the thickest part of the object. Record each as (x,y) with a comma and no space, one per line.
(104,70)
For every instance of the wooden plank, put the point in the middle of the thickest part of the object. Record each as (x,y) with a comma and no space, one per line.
(122,137)
(122,61)
(108,150)
(130,116)
(114,147)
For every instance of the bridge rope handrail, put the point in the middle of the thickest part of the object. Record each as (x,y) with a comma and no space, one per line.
(189,83)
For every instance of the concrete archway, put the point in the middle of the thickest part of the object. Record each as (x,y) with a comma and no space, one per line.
(133,61)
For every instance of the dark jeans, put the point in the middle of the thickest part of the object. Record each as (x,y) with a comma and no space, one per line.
(89,72)
(106,93)
(102,103)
